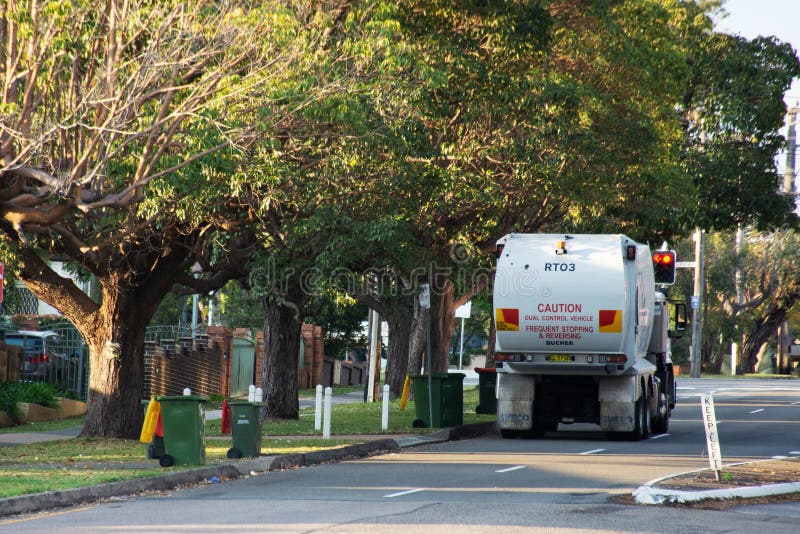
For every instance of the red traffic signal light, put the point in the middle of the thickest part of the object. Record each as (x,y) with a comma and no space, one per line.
(664,266)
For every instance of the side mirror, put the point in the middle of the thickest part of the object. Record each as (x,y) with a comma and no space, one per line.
(678,319)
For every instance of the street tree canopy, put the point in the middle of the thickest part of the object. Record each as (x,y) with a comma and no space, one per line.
(124,125)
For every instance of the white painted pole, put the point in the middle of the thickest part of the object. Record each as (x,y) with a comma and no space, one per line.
(461,346)
(326,424)
(385,408)
(318,409)
(734,353)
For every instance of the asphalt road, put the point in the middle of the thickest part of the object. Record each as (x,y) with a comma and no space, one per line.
(561,483)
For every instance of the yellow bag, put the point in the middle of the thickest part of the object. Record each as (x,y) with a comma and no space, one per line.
(150,421)
(404,396)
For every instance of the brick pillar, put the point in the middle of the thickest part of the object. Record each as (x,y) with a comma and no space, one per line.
(222,338)
(319,356)
(259,356)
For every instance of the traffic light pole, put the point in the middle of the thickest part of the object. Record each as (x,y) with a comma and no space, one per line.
(697,303)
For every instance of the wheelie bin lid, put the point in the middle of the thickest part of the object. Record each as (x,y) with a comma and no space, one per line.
(439,375)
(239,402)
(194,398)
(486,369)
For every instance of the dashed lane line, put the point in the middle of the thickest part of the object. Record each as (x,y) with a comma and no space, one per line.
(507,469)
(401,493)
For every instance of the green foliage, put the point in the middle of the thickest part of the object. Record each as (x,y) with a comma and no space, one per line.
(736,108)
(241,308)
(770,284)
(12,393)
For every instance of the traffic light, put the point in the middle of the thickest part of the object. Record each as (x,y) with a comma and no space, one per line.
(664,266)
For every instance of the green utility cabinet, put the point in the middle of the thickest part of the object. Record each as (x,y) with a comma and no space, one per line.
(245,429)
(487,380)
(447,392)
(183,421)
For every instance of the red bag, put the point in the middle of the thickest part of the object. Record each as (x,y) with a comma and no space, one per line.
(226,417)
(159,433)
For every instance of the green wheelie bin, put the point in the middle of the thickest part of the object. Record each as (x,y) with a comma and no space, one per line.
(487,379)
(245,429)
(183,418)
(447,392)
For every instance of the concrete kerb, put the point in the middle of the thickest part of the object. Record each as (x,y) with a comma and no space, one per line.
(651,493)
(247,467)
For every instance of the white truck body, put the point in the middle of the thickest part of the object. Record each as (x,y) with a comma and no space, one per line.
(581,335)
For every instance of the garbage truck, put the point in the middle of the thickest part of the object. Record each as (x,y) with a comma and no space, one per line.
(583,336)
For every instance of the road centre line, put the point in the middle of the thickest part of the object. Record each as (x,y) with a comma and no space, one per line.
(403,493)
(507,469)
(757,411)
(659,436)
(591,452)
(794,403)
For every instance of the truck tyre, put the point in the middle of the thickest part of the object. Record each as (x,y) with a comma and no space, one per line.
(661,423)
(542,426)
(639,411)
(646,421)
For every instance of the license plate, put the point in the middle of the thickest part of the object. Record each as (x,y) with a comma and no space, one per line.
(559,358)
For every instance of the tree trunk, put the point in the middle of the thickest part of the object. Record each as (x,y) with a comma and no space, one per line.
(716,358)
(282,326)
(764,330)
(490,345)
(399,322)
(416,343)
(116,380)
(441,324)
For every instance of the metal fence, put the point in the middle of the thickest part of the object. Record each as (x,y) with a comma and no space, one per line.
(63,359)
(56,354)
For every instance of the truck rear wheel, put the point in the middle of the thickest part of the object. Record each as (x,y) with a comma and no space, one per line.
(641,422)
(661,423)
(513,434)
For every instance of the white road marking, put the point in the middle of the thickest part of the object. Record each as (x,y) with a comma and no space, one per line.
(659,436)
(403,493)
(757,411)
(591,452)
(794,403)
(794,452)
(507,469)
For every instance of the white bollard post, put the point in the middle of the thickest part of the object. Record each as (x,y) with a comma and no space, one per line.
(326,424)
(318,409)
(385,407)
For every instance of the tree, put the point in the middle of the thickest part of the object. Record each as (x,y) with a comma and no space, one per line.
(123,126)
(735,110)
(528,116)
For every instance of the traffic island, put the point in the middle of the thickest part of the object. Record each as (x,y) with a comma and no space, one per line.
(745,480)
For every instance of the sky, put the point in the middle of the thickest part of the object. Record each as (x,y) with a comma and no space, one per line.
(751,18)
